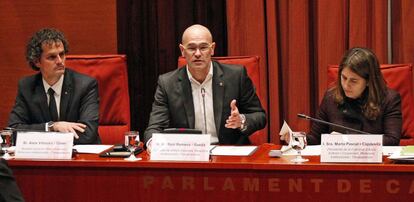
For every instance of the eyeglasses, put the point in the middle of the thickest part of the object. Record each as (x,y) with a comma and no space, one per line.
(204,48)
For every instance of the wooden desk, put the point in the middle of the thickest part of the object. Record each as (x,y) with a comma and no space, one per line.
(254,178)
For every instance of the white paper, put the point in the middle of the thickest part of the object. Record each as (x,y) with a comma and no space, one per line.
(91,148)
(396,155)
(310,150)
(233,150)
(389,150)
(285,131)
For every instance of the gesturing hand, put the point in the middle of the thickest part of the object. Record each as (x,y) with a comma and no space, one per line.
(234,120)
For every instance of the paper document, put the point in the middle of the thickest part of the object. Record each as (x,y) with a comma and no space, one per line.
(397,157)
(389,150)
(311,150)
(399,154)
(91,148)
(407,150)
(233,150)
(285,131)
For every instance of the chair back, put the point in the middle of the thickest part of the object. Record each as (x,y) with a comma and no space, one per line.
(111,73)
(400,78)
(252,66)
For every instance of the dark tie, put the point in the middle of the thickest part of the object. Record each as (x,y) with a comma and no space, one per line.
(52,105)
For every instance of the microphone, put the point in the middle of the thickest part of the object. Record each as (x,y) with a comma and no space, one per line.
(203,94)
(303,116)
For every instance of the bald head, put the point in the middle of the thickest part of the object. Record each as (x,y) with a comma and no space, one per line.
(197,47)
(196,32)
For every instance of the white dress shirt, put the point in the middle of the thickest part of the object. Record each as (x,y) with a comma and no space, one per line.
(196,88)
(57,87)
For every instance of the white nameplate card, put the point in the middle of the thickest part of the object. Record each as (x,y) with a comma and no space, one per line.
(180,147)
(44,145)
(351,148)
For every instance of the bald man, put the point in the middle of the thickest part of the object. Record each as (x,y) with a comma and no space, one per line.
(218,99)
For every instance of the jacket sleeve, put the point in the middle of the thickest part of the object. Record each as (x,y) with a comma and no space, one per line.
(392,121)
(89,115)
(314,137)
(19,116)
(159,117)
(249,105)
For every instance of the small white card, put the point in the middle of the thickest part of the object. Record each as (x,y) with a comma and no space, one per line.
(351,148)
(91,148)
(180,147)
(44,145)
(285,131)
(233,150)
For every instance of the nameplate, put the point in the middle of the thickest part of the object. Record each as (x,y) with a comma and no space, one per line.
(44,145)
(351,148)
(180,147)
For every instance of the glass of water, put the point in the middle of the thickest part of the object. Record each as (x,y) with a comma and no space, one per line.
(132,143)
(6,141)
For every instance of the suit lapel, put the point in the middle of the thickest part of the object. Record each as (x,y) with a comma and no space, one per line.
(218,95)
(184,90)
(40,97)
(66,94)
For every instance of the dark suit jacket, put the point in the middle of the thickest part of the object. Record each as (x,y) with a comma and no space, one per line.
(9,191)
(79,102)
(173,105)
(388,123)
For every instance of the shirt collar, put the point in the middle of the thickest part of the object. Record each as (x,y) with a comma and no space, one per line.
(208,77)
(57,87)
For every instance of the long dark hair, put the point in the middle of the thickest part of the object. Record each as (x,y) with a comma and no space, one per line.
(363,62)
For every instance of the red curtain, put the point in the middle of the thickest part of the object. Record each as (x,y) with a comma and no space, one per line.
(149,33)
(246,22)
(298,39)
(402,31)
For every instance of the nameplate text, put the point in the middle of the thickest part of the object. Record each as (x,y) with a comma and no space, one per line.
(351,148)
(180,147)
(44,145)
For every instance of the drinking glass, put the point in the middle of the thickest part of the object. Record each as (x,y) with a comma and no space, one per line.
(298,142)
(6,141)
(149,146)
(132,143)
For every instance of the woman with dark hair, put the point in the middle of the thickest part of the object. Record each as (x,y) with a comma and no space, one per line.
(360,100)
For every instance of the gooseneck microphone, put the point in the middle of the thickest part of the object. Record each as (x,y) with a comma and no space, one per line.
(203,94)
(303,116)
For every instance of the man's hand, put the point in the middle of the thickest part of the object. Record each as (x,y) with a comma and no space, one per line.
(69,127)
(234,120)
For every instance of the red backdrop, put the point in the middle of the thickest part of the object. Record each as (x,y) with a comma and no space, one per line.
(89,26)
